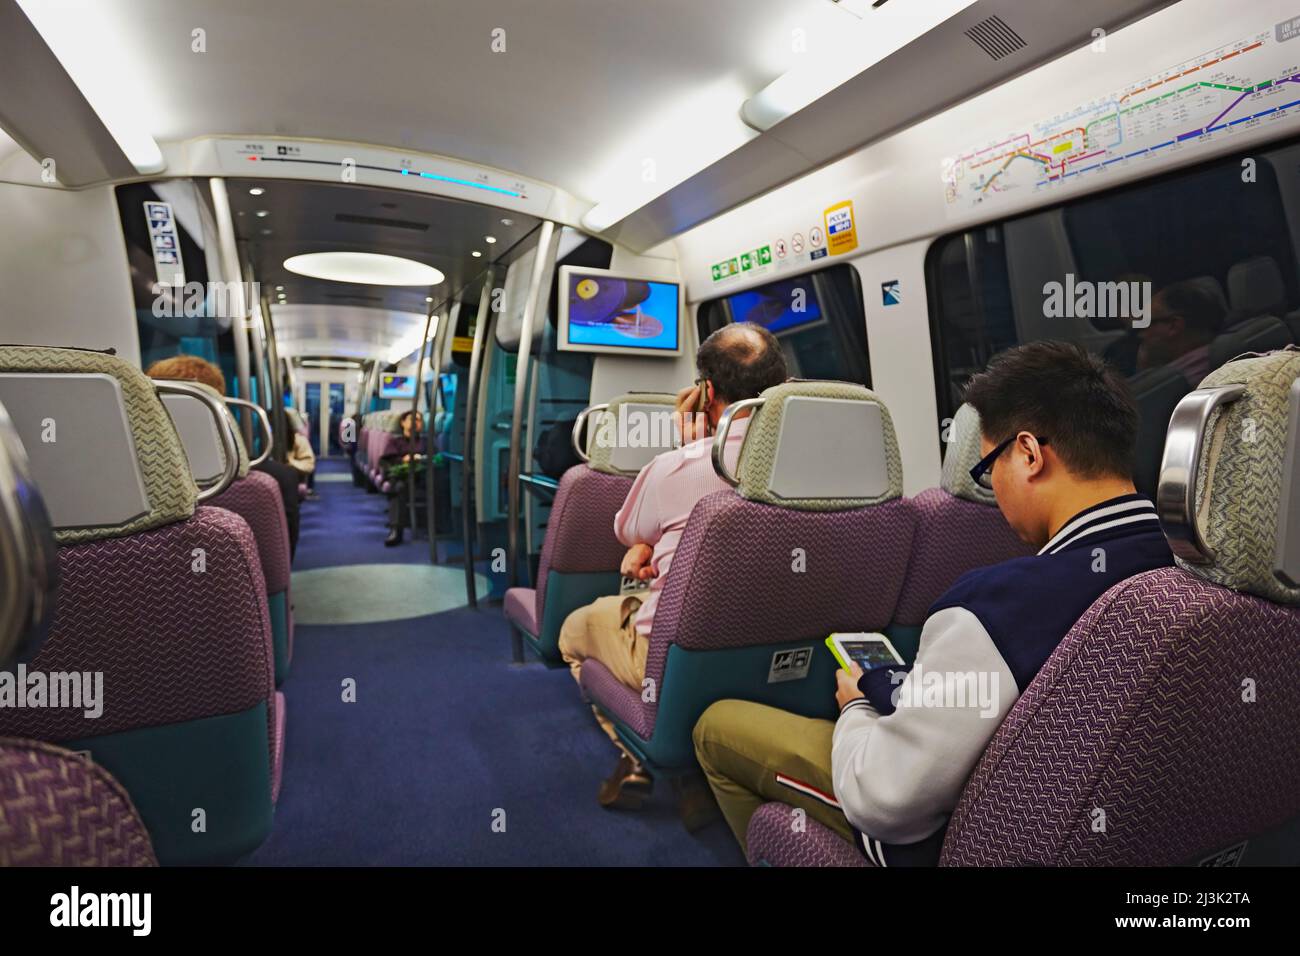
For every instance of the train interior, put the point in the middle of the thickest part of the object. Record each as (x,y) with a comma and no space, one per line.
(446,257)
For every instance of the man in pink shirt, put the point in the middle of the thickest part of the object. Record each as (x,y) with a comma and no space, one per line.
(736,362)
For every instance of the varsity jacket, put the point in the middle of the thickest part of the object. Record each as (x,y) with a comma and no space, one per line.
(901,756)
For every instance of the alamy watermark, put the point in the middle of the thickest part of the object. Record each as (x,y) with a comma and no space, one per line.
(1080,299)
(634,428)
(921,687)
(55,690)
(198,300)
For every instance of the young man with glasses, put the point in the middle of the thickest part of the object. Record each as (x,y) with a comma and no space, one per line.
(1058,436)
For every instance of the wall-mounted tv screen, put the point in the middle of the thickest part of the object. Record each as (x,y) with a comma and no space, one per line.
(607,312)
(396,386)
(779,307)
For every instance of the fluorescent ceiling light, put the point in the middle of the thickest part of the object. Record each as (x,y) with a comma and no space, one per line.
(411,341)
(848,52)
(79,34)
(664,149)
(346,365)
(365,268)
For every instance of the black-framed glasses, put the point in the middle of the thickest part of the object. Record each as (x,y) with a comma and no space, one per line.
(982,473)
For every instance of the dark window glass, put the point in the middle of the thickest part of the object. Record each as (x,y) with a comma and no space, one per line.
(171,326)
(1167,279)
(818,318)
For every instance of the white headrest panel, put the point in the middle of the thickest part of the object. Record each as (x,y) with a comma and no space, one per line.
(83,457)
(198,431)
(812,435)
(636,432)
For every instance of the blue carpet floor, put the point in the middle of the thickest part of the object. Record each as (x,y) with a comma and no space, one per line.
(445,738)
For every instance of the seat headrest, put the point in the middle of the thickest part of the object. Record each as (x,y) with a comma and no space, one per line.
(1214,288)
(102,447)
(198,431)
(29,563)
(1255,287)
(626,433)
(960,455)
(1228,496)
(1263,333)
(817,446)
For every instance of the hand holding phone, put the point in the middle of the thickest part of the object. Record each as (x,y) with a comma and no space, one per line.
(692,422)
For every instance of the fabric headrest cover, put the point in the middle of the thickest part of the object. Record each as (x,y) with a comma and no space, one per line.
(627,436)
(161,466)
(1240,480)
(820,446)
(961,454)
(1255,287)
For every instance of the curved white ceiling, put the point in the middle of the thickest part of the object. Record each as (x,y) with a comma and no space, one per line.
(586,94)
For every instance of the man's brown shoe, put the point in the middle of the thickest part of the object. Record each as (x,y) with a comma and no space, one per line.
(627,788)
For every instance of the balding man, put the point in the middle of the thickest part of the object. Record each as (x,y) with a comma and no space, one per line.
(736,362)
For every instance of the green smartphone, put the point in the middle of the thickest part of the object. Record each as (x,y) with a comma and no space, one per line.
(866,650)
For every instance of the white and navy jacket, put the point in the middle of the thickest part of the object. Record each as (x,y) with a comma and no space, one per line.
(901,756)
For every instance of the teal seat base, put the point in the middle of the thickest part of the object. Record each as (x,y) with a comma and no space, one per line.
(278,606)
(695,679)
(217,765)
(566,591)
(906,640)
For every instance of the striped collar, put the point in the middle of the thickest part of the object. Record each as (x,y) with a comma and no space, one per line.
(1113,513)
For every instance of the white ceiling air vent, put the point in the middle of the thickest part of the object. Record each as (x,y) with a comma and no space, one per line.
(994,37)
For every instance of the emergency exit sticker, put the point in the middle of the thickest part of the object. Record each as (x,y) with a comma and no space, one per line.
(841,232)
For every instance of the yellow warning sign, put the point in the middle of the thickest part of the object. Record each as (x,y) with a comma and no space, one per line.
(462,343)
(841,231)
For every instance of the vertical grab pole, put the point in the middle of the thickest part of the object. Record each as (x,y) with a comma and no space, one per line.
(415,409)
(445,323)
(276,384)
(547,247)
(228,247)
(467,508)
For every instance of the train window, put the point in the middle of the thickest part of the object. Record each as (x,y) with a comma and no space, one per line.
(818,318)
(1167,279)
(157,223)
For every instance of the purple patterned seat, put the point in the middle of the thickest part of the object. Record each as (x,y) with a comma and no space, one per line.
(1139,714)
(165,601)
(763,574)
(959,528)
(59,809)
(254,496)
(580,556)
(1162,730)
(780,835)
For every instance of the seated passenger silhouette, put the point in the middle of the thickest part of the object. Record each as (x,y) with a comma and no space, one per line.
(192,368)
(736,362)
(1185,318)
(1058,433)
(395,466)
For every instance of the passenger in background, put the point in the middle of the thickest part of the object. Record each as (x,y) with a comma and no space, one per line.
(1185,318)
(1058,436)
(192,368)
(736,362)
(301,457)
(395,467)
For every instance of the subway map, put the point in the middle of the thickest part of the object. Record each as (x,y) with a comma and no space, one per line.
(1239,86)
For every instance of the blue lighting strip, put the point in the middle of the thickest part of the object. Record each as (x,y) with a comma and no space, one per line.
(388,169)
(465,182)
